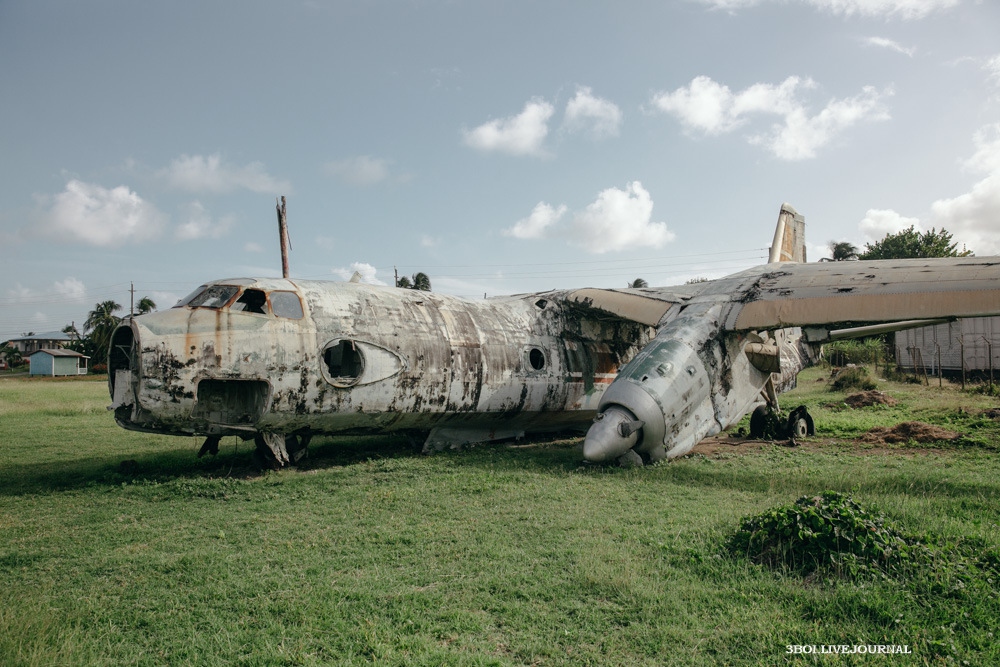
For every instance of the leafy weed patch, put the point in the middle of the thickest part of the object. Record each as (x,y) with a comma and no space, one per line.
(828,532)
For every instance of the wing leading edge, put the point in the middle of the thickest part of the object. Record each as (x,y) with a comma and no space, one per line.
(840,293)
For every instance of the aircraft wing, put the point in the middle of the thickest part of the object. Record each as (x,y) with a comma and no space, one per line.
(643,305)
(836,293)
(823,294)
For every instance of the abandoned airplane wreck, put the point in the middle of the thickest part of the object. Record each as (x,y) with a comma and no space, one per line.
(646,373)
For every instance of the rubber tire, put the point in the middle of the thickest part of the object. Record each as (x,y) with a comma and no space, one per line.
(758,422)
(798,428)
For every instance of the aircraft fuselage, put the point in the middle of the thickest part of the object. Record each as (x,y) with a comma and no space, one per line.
(248,356)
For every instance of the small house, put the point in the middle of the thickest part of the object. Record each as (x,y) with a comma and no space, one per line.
(52,340)
(57,362)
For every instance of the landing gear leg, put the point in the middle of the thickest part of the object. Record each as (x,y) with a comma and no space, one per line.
(275,450)
(211,446)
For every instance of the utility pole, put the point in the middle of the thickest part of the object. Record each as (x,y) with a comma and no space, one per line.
(283,235)
(131,299)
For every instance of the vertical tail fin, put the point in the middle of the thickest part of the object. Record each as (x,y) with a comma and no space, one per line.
(789,243)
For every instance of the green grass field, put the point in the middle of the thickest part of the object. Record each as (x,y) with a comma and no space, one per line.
(374,554)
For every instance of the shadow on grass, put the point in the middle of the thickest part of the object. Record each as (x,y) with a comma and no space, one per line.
(238,461)
(920,478)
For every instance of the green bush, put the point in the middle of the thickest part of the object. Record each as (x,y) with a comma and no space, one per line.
(854,351)
(852,377)
(828,532)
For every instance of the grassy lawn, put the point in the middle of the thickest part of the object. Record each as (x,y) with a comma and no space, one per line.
(374,554)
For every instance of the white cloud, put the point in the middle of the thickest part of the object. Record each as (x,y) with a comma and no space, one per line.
(429,241)
(903,9)
(713,109)
(879,222)
(620,219)
(250,246)
(19,293)
(703,105)
(970,217)
(801,135)
(986,159)
(885,43)
(598,117)
(360,170)
(542,217)
(199,173)
(366,270)
(71,289)
(992,67)
(199,224)
(99,216)
(616,220)
(522,134)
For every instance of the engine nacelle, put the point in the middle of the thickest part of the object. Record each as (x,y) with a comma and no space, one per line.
(667,388)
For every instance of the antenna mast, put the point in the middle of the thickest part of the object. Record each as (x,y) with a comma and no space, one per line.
(283,235)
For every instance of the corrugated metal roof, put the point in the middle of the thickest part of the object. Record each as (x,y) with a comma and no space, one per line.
(51,335)
(59,353)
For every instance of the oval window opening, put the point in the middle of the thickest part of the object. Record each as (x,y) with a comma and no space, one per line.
(536,358)
(344,363)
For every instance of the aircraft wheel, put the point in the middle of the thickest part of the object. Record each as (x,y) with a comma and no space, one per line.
(800,423)
(758,422)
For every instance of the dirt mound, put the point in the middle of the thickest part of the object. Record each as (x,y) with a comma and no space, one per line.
(867,398)
(907,432)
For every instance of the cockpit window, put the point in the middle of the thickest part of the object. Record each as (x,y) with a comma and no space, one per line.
(283,303)
(286,304)
(210,296)
(252,301)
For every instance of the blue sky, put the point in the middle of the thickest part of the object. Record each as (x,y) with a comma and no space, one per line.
(498,147)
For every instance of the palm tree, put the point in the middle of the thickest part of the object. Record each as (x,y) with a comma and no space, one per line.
(422,282)
(11,354)
(842,250)
(101,322)
(145,305)
(638,282)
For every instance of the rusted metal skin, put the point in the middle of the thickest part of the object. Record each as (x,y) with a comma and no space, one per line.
(692,381)
(364,358)
(281,360)
(783,295)
(789,244)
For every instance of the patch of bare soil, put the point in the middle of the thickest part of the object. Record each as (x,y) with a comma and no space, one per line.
(721,446)
(908,432)
(869,398)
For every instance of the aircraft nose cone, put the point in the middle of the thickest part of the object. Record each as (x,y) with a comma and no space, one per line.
(614,432)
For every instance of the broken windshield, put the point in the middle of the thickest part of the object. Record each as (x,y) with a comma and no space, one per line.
(210,296)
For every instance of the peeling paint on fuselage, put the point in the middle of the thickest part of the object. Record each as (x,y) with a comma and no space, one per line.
(516,362)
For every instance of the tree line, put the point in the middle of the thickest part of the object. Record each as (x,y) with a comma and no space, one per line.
(906,244)
(95,338)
